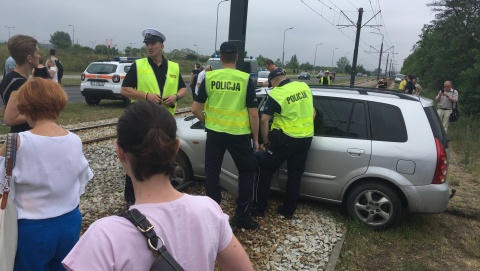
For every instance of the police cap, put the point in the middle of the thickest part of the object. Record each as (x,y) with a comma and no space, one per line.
(275,73)
(228,47)
(150,34)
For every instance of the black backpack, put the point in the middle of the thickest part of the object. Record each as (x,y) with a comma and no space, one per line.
(194,81)
(59,67)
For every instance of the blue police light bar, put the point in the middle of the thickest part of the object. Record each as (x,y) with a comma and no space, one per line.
(124,58)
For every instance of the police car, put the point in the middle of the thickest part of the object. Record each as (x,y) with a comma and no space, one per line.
(103,80)
(250,66)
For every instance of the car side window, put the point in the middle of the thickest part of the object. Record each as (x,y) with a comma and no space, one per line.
(387,123)
(126,68)
(340,118)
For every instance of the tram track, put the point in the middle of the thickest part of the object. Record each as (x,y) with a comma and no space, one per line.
(85,131)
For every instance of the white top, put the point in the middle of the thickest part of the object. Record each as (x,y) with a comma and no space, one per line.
(194,229)
(200,78)
(55,74)
(49,176)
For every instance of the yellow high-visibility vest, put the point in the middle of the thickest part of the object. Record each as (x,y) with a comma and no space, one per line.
(226,108)
(147,82)
(296,117)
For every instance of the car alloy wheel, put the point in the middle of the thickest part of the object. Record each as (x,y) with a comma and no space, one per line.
(376,205)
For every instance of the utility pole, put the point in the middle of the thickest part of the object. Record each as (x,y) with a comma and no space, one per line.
(238,28)
(357,41)
(386,65)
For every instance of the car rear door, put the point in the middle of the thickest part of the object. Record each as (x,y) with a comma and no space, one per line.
(340,151)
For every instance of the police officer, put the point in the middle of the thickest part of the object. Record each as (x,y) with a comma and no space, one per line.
(289,139)
(230,117)
(325,79)
(153,78)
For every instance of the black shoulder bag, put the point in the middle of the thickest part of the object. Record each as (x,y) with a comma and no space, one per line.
(455,114)
(164,261)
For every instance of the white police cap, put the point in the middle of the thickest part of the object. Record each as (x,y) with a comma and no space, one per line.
(150,34)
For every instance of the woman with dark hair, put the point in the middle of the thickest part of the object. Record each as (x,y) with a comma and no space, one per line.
(49,176)
(41,71)
(194,229)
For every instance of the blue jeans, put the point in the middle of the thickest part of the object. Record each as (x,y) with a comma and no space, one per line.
(44,243)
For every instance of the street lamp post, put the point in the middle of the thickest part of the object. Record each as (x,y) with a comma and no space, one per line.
(73,37)
(315,56)
(283,51)
(333,55)
(9,27)
(131,44)
(216,27)
(92,42)
(197,51)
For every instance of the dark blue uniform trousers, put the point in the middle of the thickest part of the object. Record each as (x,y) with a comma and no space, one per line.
(296,155)
(240,148)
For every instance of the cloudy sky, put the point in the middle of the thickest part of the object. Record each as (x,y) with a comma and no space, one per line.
(189,22)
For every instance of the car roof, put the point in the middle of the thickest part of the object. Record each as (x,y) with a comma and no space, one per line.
(363,93)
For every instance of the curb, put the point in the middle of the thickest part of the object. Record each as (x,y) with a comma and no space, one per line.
(332,261)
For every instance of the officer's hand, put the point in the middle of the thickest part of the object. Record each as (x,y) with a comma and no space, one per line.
(154,98)
(170,100)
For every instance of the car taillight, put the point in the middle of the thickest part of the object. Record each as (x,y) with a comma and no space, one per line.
(441,167)
(82,76)
(116,78)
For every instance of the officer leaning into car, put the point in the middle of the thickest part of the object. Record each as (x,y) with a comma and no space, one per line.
(155,79)
(290,137)
(231,117)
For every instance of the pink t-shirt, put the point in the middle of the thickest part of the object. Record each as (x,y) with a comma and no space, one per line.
(194,229)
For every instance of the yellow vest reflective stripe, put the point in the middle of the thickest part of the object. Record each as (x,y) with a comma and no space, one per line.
(147,82)
(226,108)
(296,117)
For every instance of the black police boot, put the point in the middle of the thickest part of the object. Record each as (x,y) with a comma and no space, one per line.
(256,212)
(244,222)
(283,211)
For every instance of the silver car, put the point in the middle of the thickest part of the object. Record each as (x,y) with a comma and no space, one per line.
(376,152)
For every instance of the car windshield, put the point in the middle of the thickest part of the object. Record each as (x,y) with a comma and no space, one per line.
(102,68)
(399,75)
(263,74)
(303,73)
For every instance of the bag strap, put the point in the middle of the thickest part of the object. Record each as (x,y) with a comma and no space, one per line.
(145,227)
(10,157)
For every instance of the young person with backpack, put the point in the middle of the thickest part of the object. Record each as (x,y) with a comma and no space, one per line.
(58,64)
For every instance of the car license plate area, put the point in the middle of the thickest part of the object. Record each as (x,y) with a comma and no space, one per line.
(97,83)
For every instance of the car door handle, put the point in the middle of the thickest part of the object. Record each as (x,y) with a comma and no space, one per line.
(355,152)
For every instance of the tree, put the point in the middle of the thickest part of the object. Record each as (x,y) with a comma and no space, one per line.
(293,63)
(260,60)
(278,62)
(61,40)
(342,62)
(447,50)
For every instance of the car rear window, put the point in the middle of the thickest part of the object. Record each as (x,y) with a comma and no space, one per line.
(387,123)
(126,68)
(436,125)
(102,68)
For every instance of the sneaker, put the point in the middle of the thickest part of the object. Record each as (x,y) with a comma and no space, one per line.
(244,222)
(281,210)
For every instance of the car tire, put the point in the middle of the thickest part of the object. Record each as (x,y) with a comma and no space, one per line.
(376,205)
(91,101)
(183,175)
